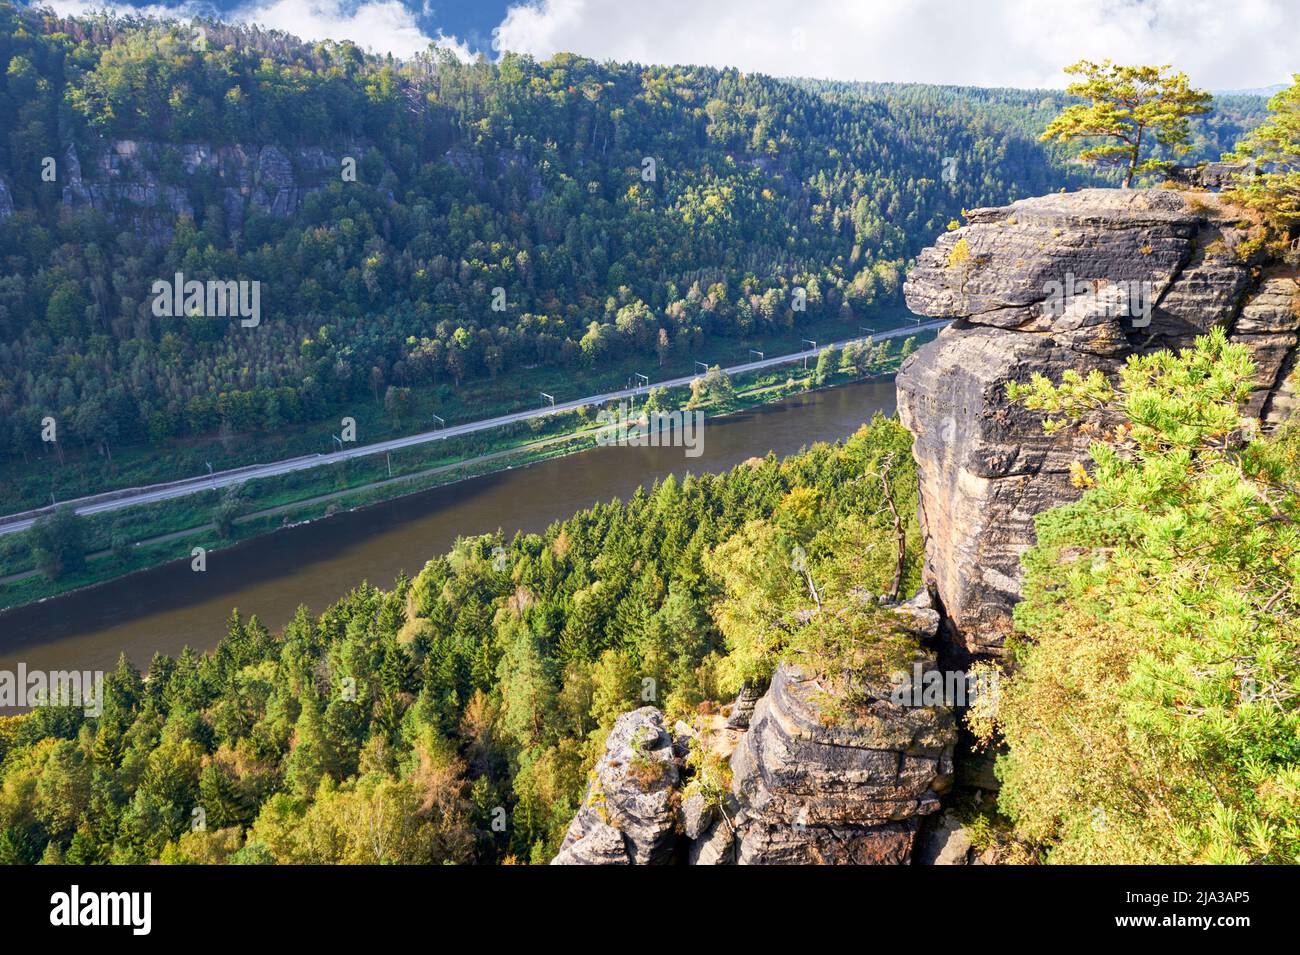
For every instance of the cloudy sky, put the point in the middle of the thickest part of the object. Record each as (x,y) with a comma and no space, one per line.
(1239,44)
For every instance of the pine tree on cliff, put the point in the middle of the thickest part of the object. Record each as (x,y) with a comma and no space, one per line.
(1129,110)
(1154,712)
(1273,149)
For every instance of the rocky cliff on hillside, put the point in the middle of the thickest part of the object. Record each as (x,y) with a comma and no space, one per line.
(811,782)
(150,184)
(1081,281)
(146,185)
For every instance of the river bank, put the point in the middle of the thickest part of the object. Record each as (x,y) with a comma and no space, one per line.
(151,535)
(315,563)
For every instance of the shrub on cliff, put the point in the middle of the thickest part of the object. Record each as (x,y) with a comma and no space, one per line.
(1155,713)
(800,583)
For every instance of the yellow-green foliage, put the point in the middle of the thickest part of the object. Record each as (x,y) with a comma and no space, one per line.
(793,583)
(959,254)
(1274,147)
(1154,717)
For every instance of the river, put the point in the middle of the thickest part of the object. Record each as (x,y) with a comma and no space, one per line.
(166,608)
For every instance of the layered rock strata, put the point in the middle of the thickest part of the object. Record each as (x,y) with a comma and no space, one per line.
(851,791)
(1068,281)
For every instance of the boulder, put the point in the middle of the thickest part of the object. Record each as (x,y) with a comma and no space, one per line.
(716,845)
(947,842)
(698,815)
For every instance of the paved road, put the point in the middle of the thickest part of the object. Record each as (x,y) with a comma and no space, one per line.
(98,504)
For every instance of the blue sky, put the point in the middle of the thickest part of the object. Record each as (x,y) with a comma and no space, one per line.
(466,19)
(1235,45)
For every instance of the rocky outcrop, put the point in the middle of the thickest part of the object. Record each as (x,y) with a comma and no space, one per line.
(1067,281)
(813,781)
(1211,175)
(148,185)
(1269,324)
(123,184)
(849,791)
(628,814)
(742,710)
(818,781)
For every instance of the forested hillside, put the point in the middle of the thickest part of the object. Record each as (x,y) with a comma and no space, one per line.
(454,717)
(1028,112)
(619,208)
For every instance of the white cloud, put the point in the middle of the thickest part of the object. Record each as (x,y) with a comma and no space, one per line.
(384,26)
(1024,43)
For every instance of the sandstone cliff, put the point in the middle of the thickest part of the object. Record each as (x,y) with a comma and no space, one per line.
(1069,281)
(810,784)
(1149,268)
(148,185)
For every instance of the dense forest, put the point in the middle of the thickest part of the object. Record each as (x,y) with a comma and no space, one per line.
(519,213)
(454,717)
(1027,112)
(422,223)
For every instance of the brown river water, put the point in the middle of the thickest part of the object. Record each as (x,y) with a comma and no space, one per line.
(171,606)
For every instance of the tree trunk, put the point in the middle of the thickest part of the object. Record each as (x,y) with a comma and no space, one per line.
(900,533)
(1133,162)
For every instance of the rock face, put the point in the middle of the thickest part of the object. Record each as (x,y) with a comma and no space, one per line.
(147,184)
(1210,175)
(742,711)
(946,843)
(810,785)
(851,792)
(628,814)
(1066,281)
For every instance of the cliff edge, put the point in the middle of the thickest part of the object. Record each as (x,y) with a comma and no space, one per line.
(1065,281)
